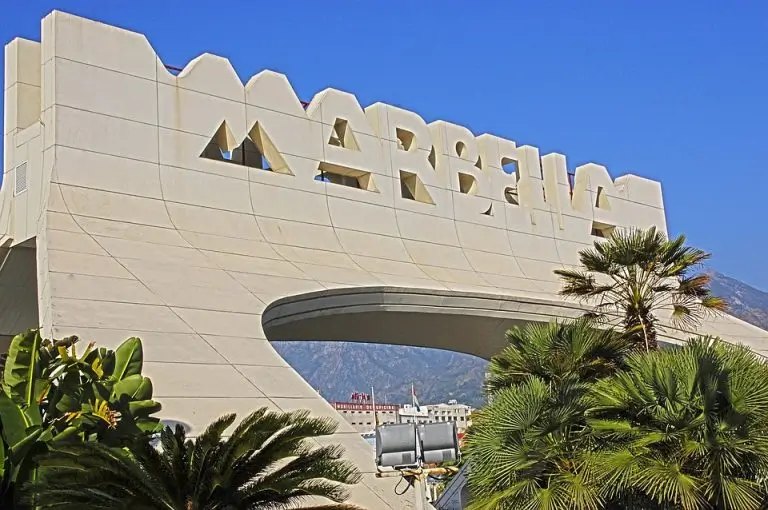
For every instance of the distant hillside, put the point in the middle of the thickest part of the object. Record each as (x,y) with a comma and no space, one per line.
(747,303)
(337,368)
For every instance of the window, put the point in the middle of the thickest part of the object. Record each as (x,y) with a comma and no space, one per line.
(602,230)
(20,178)
(334,178)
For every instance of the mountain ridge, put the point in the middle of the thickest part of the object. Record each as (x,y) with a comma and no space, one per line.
(336,369)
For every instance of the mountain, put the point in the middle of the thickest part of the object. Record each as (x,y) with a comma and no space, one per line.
(336,369)
(747,303)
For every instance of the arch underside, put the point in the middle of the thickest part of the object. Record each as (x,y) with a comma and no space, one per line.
(472,323)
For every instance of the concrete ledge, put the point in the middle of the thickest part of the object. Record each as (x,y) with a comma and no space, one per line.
(472,323)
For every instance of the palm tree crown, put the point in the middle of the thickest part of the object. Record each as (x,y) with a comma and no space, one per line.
(556,352)
(526,447)
(267,462)
(686,428)
(636,273)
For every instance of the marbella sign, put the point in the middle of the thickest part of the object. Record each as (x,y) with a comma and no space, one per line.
(392,156)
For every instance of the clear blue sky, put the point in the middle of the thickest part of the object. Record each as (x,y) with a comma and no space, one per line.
(674,91)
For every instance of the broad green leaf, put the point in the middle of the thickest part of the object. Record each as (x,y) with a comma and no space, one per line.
(129,358)
(144,408)
(135,387)
(20,449)
(21,369)
(14,421)
(66,434)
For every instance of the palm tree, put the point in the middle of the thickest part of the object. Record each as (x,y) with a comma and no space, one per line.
(635,274)
(686,428)
(556,352)
(526,449)
(267,462)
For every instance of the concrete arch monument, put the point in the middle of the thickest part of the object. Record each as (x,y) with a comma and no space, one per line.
(209,217)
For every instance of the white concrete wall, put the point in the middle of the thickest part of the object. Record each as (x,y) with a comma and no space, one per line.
(138,235)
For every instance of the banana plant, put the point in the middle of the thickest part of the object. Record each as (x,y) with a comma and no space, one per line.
(50,394)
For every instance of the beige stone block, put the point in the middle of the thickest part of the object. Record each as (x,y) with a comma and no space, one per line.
(22,62)
(294,233)
(427,228)
(74,242)
(348,276)
(296,254)
(27,136)
(207,190)
(376,265)
(96,89)
(574,229)
(643,216)
(210,322)
(193,380)
(197,413)
(533,246)
(184,295)
(24,106)
(271,288)
(109,173)
(194,112)
(482,238)
(212,75)
(482,211)
(131,231)
(157,253)
(461,287)
(281,382)
(362,216)
(380,494)
(246,351)
(256,265)
(538,269)
(107,135)
(271,90)
(99,288)
(517,285)
(372,245)
(191,218)
(129,316)
(154,273)
(278,202)
(569,252)
(641,190)
(434,254)
(448,276)
(392,280)
(493,263)
(19,214)
(62,221)
(74,38)
(170,347)
(81,263)
(230,245)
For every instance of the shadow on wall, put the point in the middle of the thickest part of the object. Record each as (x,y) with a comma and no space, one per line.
(18,292)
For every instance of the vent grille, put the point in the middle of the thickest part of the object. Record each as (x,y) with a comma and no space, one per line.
(21,179)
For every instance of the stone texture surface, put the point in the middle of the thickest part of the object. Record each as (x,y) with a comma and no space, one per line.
(137,234)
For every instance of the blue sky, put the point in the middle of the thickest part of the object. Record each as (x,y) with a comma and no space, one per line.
(674,91)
